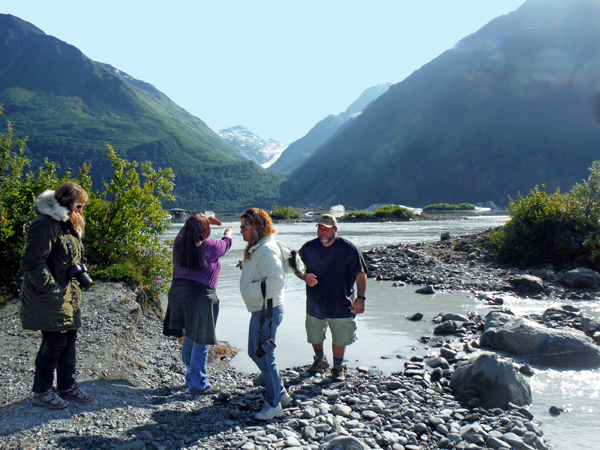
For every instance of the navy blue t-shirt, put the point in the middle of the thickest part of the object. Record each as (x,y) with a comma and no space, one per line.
(336,268)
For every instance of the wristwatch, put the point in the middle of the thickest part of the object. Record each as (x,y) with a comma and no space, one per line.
(362,297)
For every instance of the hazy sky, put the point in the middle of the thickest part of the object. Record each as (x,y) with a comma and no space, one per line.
(275,67)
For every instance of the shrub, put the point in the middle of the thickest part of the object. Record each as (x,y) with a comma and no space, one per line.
(361,215)
(448,207)
(398,212)
(284,212)
(561,229)
(18,190)
(125,225)
(384,212)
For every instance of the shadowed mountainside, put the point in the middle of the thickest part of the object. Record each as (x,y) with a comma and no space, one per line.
(514,105)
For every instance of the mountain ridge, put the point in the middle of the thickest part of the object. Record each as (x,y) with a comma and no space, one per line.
(298,151)
(252,146)
(509,107)
(70,106)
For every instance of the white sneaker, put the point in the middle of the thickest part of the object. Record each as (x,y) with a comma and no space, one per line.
(269,412)
(286,399)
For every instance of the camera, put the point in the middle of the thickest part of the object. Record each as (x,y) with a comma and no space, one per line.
(79,271)
(265,347)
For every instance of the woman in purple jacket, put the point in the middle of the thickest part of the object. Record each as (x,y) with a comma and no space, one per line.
(193,304)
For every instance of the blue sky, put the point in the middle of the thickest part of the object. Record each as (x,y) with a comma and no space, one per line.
(275,67)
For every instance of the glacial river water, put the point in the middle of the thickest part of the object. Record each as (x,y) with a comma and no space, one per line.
(387,339)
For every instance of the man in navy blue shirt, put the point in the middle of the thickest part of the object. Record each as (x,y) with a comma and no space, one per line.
(333,267)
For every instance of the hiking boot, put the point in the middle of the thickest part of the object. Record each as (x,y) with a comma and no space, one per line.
(49,399)
(269,412)
(77,394)
(337,373)
(286,399)
(319,364)
(209,391)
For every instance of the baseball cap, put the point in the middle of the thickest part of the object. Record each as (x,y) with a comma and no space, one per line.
(327,220)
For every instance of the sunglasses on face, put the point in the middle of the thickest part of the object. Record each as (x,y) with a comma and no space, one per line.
(245,228)
(78,206)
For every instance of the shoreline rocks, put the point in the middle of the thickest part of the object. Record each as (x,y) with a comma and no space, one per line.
(137,379)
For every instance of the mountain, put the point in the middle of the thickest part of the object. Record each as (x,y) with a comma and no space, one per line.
(512,106)
(70,106)
(298,151)
(251,146)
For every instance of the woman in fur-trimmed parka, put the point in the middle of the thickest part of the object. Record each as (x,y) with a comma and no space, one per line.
(50,299)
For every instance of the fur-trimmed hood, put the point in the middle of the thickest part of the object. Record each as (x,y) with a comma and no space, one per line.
(47,204)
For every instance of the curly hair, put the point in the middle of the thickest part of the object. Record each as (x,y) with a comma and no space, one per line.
(262,225)
(195,231)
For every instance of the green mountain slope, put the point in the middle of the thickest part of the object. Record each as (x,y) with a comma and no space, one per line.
(70,106)
(513,105)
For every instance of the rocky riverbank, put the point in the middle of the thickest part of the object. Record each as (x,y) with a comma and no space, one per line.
(137,378)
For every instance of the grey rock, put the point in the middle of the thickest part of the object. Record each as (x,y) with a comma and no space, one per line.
(529,281)
(582,277)
(425,290)
(341,410)
(344,443)
(495,380)
(540,345)
(446,328)
(437,362)
(309,432)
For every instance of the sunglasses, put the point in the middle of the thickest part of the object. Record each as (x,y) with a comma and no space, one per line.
(78,205)
(245,228)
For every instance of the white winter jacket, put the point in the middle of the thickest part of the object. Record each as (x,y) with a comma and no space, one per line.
(266,261)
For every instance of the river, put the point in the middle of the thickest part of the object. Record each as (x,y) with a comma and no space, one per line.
(387,339)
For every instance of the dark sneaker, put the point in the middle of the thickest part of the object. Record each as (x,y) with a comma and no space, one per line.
(319,364)
(49,399)
(209,391)
(337,373)
(77,394)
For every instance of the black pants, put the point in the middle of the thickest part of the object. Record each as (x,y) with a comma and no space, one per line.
(57,352)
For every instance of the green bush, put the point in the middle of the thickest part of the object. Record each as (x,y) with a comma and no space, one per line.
(362,215)
(19,187)
(284,212)
(562,229)
(397,212)
(125,225)
(385,212)
(448,207)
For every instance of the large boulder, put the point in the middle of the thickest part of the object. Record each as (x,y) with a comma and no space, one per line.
(582,277)
(344,443)
(494,379)
(540,345)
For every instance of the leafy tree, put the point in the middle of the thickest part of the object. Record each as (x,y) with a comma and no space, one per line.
(561,229)
(126,222)
(18,190)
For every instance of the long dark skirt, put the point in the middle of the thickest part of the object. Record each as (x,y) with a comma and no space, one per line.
(192,311)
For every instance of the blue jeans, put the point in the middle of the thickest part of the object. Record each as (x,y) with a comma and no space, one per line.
(195,358)
(267,364)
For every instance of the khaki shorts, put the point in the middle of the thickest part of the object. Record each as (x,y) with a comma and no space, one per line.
(343,330)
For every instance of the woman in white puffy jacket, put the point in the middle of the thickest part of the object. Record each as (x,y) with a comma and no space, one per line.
(263,260)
